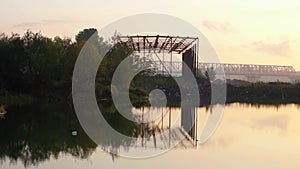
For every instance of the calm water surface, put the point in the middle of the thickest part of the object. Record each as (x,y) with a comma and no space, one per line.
(249,136)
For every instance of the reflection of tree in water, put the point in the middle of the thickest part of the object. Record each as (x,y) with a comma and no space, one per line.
(123,126)
(34,134)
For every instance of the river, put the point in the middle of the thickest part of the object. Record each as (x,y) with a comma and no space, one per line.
(248,136)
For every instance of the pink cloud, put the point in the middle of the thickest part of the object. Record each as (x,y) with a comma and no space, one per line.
(27,25)
(279,49)
(218,26)
(45,22)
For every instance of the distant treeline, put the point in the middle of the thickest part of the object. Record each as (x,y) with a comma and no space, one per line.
(264,93)
(273,93)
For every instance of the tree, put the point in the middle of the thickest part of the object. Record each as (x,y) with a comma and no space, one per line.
(86,34)
(210,74)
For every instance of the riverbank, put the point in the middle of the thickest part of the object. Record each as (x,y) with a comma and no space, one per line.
(253,93)
(9,98)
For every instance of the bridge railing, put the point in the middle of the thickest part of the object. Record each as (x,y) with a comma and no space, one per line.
(247,68)
(227,68)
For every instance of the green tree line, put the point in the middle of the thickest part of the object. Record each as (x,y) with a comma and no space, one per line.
(39,66)
(35,64)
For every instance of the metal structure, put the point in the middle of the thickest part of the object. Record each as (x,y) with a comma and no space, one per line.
(187,46)
(158,43)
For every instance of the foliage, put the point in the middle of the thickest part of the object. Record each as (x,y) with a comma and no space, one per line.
(35,64)
(42,67)
(12,98)
(210,74)
(85,34)
(264,93)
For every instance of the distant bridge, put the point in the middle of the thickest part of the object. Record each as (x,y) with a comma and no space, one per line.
(248,72)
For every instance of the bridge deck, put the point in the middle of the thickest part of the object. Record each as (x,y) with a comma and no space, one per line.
(232,69)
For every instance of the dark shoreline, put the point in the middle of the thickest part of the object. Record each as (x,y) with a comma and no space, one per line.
(273,93)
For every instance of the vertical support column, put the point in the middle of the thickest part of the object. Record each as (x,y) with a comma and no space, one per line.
(196,127)
(144,52)
(188,120)
(163,62)
(171,71)
(189,59)
(162,118)
(170,118)
(142,128)
(197,55)
(195,61)
(170,126)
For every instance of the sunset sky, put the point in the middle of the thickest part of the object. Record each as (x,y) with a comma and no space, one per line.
(256,32)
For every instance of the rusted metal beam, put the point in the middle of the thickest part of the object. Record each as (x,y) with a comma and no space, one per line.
(187,46)
(156,42)
(167,39)
(144,42)
(138,46)
(178,44)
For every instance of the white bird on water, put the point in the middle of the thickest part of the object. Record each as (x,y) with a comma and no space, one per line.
(74,133)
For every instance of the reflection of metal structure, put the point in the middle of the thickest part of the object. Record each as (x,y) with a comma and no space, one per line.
(249,71)
(187,46)
(183,131)
(189,122)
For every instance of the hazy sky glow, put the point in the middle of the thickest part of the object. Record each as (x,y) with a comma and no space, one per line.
(257,31)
